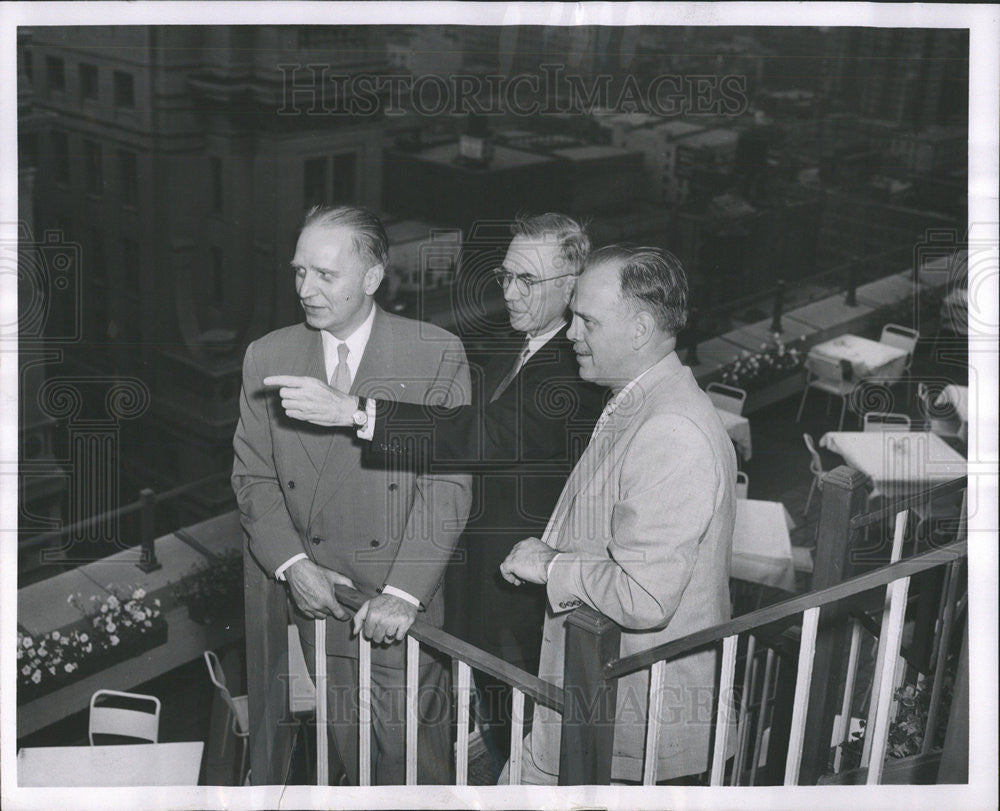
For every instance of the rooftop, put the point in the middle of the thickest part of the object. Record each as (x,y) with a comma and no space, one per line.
(711,138)
(591,152)
(503,157)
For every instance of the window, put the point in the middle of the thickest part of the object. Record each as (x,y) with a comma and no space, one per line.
(215,165)
(88,82)
(95,171)
(124,89)
(314,182)
(127,166)
(218,277)
(60,157)
(131,269)
(343,177)
(56,71)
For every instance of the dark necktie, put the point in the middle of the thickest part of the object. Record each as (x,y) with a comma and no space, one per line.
(512,372)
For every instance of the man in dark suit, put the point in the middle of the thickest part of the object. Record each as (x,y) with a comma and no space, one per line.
(318,516)
(532,415)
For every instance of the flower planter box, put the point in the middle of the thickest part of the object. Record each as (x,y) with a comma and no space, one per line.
(775,392)
(154,637)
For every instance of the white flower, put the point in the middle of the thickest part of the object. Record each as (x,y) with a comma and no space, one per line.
(113,601)
(27,642)
(55,635)
(20,653)
(138,594)
(114,639)
(111,627)
(26,670)
(52,670)
(104,608)
(69,667)
(148,623)
(88,648)
(84,637)
(36,676)
(156,602)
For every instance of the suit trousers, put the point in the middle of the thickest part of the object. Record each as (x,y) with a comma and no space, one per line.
(388,714)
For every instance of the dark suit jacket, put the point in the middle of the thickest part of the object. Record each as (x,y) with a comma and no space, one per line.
(302,488)
(523,446)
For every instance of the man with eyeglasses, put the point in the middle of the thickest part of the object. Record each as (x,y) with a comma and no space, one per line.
(530,419)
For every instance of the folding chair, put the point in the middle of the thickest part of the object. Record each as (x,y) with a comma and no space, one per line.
(902,338)
(124,721)
(728,398)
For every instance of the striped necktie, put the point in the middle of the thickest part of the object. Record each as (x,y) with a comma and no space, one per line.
(512,372)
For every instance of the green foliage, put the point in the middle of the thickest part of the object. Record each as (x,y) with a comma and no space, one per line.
(213,589)
(775,361)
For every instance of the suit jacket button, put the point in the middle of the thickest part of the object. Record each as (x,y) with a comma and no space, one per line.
(291,485)
(393,487)
(373,543)
(316,539)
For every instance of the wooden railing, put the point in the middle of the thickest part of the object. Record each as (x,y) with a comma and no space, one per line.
(793,657)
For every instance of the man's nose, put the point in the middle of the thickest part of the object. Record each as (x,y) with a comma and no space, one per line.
(304,284)
(511,290)
(573,332)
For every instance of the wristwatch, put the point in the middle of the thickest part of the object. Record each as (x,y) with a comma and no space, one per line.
(360,417)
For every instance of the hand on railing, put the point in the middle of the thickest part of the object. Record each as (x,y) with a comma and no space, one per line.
(314,589)
(385,618)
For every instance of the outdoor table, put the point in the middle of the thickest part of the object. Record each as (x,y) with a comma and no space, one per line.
(762,548)
(144,764)
(871,360)
(898,462)
(738,428)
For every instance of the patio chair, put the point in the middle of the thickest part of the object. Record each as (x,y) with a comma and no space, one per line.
(816,468)
(728,398)
(941,419)
(238,708)
(884,421)
(836,378)
(902,338)
(124,715)
(742,484)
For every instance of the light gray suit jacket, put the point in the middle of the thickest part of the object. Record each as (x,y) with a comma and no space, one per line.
(303,488)
(645,529)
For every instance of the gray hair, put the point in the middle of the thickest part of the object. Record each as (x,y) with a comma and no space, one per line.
(368,236)
(650,278)
(574,244)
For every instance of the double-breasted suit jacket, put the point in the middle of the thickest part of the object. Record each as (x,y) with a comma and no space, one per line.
(523,445)
(304,488)
(644,527)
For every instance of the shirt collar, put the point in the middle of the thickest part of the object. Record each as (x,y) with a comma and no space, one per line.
(536,342)
(356,343)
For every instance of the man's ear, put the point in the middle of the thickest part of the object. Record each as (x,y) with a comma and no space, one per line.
(644,325)
(373,278)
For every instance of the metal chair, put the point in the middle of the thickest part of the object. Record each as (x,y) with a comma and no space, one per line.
(816,468)
(728,398)
(238,708)
(127,722)
(742,484)
(902,338)
(884,421)
(836,378)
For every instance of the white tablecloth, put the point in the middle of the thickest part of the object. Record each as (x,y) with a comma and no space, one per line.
(898,462)
(144,764)
(738,428)
(762,548)
(869,359)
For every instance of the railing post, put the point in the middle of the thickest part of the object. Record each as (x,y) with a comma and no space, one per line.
(147,531)
(268,676)
(851,297)
(845,493)
(590,701)
(779,305)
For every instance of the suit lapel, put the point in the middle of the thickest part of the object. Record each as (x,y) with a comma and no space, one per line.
(310,363)
(593,459)
(341,458)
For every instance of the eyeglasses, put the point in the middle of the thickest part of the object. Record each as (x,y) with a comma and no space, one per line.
(524,283)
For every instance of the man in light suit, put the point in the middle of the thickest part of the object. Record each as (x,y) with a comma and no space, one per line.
(643,529)
(318,517)
(530,419)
